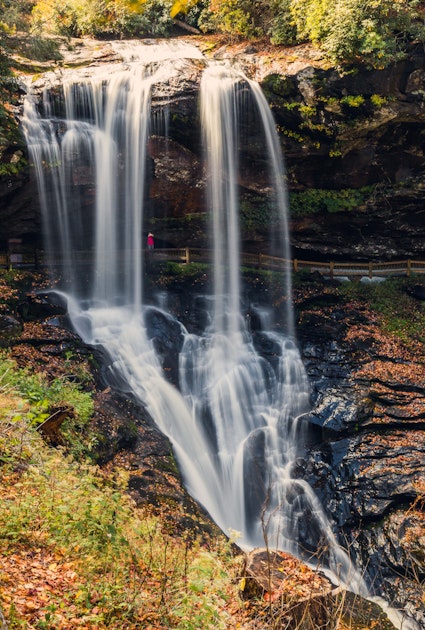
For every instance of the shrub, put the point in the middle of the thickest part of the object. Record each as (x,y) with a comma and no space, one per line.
(374,32)
(93,559)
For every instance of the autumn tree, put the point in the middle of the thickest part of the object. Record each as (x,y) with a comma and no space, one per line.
(104,17)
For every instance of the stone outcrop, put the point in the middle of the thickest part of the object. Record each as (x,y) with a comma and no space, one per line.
(368,462)
(303,597)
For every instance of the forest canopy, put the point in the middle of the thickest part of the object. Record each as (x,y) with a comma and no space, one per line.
(372,32)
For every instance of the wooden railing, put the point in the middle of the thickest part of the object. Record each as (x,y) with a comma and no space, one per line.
(259,261)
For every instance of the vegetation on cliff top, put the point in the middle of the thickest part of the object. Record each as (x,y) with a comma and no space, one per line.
(375,32)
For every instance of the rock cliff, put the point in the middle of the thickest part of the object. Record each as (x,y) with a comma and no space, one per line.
(353,146)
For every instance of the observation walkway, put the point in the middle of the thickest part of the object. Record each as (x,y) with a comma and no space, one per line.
(185,255)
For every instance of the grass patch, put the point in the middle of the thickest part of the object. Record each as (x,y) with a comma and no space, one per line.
(320,200)
(401,314)
(36,400)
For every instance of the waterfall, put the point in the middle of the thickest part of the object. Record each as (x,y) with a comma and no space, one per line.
(237,419)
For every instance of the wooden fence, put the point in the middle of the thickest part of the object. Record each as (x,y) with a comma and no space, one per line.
(260,261)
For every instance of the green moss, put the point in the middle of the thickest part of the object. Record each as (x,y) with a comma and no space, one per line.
(255,213)
(279,85)
(353,101)
(321,200)
(378,101)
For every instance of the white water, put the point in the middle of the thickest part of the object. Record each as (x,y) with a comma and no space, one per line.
(236,421)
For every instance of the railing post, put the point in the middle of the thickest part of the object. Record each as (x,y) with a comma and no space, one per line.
(295,264)
(187,256)
(370,270)
(409,267)
(331,269)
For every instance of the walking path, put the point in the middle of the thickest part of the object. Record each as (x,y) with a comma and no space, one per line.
(186,255)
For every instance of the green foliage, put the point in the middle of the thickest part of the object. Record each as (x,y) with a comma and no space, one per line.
(192,271)
(309,17)
(100,17)
(399,311)
(155,19)
(42,396)
(282,29)
(117,566)
(77,17)
(6,168)
(353,101)
(321,200)
(182,6)
(256,213)
(378,101)
(8,89)
(374,32)
(235,17)
(15,16)
(40,399)
(195,13)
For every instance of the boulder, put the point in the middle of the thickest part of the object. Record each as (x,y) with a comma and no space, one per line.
(298,596)
(10,329)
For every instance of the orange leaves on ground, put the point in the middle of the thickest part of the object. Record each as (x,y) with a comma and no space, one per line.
(32,580)
(284,577)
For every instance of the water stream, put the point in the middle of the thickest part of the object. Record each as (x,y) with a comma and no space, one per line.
(236,420)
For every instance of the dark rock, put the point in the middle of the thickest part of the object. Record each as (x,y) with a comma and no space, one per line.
(338,414)
(38,306)
(167,336)
(10,328)
(417,291)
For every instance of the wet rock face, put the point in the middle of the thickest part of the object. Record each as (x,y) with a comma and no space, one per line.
(368,461)
(363,126)
(19,209)
(388,227)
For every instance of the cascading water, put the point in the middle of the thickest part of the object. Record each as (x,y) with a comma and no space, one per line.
(236,421)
